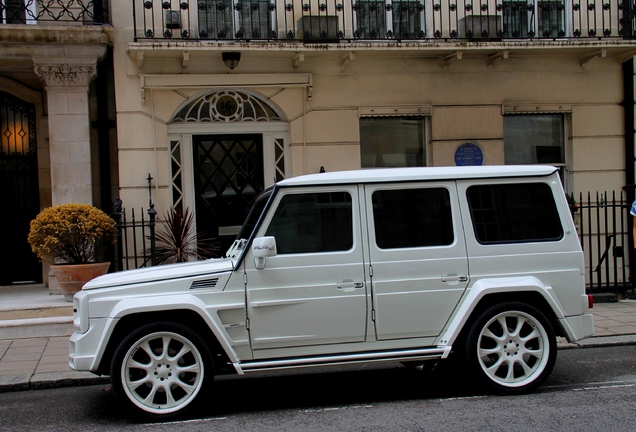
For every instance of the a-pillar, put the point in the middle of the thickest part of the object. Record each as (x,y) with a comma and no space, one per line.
(66,83)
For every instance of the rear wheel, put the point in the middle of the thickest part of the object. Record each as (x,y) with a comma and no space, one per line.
(511,347)
(160,369)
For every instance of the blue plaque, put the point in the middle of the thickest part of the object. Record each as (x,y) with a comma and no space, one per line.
(469,154)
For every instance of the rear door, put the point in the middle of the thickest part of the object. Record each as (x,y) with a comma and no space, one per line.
(417,253)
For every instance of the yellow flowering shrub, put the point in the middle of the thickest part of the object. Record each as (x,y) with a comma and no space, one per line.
(71,233)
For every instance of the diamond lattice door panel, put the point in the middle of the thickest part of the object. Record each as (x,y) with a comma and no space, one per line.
(228,171)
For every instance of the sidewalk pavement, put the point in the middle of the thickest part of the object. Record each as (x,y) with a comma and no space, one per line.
(35,326)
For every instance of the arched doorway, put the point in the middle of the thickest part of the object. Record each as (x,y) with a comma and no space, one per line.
(20,189)
(226,147)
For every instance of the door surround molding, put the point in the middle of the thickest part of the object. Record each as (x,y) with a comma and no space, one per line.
(273,132)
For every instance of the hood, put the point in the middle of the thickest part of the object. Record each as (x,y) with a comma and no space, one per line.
(161,272)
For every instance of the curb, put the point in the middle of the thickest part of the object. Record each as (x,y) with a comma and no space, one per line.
(608,341)
(50,380)
(598,342)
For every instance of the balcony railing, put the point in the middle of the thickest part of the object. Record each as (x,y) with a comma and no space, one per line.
(50,12)
(323,21)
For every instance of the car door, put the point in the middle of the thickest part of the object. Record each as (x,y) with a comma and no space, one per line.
(417,255)
(313,290)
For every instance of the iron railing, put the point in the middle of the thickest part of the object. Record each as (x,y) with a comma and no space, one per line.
(79,12)
(135,247)
(604,228)
(381,20)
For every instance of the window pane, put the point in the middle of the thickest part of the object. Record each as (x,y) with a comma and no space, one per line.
(254,216)
(412,218)
(551,16)
(370,19)
(314,222)
(255,20)
(515,19)
(15,11)
(531,139)
(406,19)
(392,142)
(546,19)
(514,213)
(215,19)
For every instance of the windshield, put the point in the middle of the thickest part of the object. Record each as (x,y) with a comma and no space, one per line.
(250,223)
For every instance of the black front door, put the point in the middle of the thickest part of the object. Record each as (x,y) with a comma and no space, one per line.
(19,190)
(228,175)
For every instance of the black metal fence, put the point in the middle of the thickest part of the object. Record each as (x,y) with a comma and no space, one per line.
(376,20)
(82,12)
(604,228)
(135,247)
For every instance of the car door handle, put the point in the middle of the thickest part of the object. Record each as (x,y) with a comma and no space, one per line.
(454,278)
(349,285)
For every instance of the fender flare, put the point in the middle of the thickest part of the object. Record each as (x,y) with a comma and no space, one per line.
(507,285)
(128,307)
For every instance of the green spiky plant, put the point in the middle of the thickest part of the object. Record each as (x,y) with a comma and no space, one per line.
(178,241)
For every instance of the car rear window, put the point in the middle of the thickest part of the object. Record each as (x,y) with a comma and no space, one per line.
(514,213)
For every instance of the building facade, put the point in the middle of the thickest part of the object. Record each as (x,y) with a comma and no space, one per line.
(55,76)
(221,99)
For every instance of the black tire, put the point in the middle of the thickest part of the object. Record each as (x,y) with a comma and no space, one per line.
(161,370)
(511,347)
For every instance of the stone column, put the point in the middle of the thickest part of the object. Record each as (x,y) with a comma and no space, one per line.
(66,81)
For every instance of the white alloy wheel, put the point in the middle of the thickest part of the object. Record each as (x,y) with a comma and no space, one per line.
(162,372)
(513,349)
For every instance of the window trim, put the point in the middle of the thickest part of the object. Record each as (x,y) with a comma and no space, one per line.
(395,111)
(282,193)
(424,111)
(404,187)
(546,109)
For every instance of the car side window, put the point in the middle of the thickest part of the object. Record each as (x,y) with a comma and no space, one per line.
(514,213)
(313,222)
(407,218)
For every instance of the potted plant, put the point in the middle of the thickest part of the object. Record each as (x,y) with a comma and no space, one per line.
(73,238)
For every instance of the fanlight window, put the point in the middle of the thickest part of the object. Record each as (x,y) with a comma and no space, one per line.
(226,106)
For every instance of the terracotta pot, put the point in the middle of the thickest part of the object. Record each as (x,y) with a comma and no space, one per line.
(72,277)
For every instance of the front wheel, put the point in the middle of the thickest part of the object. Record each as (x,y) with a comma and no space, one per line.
(511,347)
(160,369)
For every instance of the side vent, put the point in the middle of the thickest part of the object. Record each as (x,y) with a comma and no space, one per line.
(204,284)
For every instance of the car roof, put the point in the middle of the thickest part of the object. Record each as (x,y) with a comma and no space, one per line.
(381,175)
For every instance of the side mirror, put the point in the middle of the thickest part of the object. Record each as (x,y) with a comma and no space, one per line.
(263,247)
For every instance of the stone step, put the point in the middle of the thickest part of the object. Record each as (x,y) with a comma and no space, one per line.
(30,312)
(22,313)
(36,327)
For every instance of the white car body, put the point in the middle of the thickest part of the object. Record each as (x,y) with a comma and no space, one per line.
(261,308)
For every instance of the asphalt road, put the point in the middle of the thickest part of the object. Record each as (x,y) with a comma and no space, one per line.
(590,390)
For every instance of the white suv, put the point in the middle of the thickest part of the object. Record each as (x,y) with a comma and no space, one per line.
(407,265)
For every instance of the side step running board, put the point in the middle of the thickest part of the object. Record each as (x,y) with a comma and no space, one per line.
(366,357)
